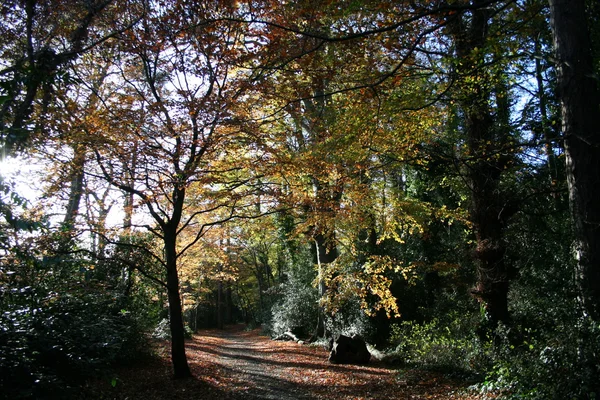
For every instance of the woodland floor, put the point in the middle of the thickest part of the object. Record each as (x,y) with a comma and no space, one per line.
(239,364)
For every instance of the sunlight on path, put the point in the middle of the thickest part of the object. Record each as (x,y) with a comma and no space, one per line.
(254,367)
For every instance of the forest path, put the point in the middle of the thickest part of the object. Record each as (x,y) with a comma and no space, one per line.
(238,364)
(253,366)
(248,365)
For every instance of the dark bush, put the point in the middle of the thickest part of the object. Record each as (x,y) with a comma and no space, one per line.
(65,320)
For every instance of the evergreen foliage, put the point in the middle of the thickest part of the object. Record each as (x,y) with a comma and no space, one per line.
(61,326)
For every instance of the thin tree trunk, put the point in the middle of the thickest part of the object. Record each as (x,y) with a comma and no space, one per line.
(77,168)
(178,356)
(228,305)
(546,126)
(325,254)
(130,172)
(579,94)
(102,217)
(220,309)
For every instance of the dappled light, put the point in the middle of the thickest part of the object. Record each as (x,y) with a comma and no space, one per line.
(308,199)
(245,364)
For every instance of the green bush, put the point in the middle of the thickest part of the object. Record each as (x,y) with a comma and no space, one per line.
(162,330)
(549,351)
(64,320)
(297,308)
(451,346)
(351,320)
(561,364)
(47,352)
(296,311)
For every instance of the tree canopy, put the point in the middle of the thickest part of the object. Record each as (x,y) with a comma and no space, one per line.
(417,173)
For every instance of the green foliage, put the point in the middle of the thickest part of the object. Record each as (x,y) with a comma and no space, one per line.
(49,350)
(122,268)
(11,207)
(558,364)
(298,305)
(386,174)
(450,346)
(63,320)
(350,320)
(162,330)
(52,344)
(549,351)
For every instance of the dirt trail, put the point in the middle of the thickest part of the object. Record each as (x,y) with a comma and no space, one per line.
(256,375)
(255,367)
(237,364)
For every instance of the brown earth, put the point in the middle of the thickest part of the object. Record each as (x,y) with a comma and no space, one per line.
(239,364)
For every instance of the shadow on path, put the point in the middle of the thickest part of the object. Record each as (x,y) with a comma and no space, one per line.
(237,364)
(259,368)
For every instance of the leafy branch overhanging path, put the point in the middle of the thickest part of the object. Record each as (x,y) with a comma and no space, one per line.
(239,364)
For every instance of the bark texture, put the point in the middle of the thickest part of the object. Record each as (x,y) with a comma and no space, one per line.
(178,356)
(578,90)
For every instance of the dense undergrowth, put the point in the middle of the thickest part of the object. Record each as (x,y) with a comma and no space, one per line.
(65,321)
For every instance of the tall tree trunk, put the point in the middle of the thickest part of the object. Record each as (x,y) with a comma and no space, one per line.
(579,94)
(130,176)
(220,309)
(178,356)
(228,304)
(102,217)
(484,138)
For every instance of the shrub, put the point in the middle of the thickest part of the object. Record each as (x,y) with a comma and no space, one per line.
(451,346)
(61,323)
(297,308)
(47,352)
(351,320)
(562,364)
(163,330)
